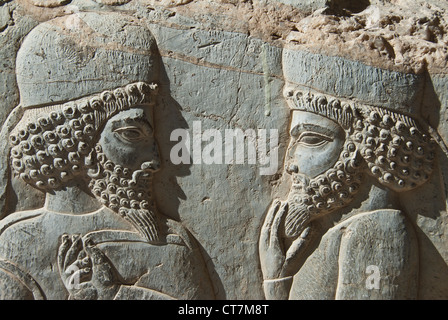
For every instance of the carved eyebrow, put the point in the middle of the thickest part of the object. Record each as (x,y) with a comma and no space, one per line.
(140,122)
(140,119)
(301,127)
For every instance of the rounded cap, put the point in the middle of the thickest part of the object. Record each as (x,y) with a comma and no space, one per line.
(346,79)
(81,54)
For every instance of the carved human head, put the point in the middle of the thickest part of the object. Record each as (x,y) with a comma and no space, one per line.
(87,86)
(337,141)
(86,81)
(334,143)
(54,144)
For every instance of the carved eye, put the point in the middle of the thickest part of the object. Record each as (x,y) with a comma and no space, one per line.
(313,139)
(131,134)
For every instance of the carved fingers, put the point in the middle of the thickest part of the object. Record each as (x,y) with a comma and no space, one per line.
(271,252)
(277,259)
(293,254)
(72,259)
(266,229)
(275,234)
(102,271)
(84,269)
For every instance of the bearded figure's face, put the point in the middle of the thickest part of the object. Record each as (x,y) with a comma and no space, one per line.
(105,141)
(324,166)
(126,156)
(335,143)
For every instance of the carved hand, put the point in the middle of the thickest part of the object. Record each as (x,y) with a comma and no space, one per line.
(276,261)
(85,270)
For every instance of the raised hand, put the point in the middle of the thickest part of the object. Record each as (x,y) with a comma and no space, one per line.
(85,270)
(277,261)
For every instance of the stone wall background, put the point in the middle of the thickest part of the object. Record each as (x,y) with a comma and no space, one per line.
(223,67)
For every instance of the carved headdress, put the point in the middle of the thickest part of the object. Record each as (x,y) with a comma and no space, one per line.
(73,74)
(379,110)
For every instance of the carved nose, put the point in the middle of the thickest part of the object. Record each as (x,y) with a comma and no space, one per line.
(152,165)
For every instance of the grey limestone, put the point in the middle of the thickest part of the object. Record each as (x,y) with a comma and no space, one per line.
(116,179)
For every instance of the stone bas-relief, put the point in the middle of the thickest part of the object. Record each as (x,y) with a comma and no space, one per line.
(99,234)
(356,157)
(356,151)
(360,207)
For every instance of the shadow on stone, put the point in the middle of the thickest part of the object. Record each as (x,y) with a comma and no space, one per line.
(347,7)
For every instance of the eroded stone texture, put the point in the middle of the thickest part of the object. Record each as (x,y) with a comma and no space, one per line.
(353,208)
(93,157)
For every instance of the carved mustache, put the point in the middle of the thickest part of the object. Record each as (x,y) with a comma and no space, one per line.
(146,170)
(152,165)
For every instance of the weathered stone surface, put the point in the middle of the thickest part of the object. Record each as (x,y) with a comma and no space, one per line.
(343,197)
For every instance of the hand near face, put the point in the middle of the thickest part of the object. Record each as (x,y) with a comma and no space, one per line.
(277,261)
(315,146)
(85,270)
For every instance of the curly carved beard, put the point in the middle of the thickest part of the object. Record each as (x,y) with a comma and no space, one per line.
(310,198)
(126,192)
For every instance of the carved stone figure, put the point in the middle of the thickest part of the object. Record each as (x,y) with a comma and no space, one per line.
(342,231)
(108,156)
(85,137)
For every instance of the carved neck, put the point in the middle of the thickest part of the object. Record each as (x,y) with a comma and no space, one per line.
(380,197)
(73,199)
